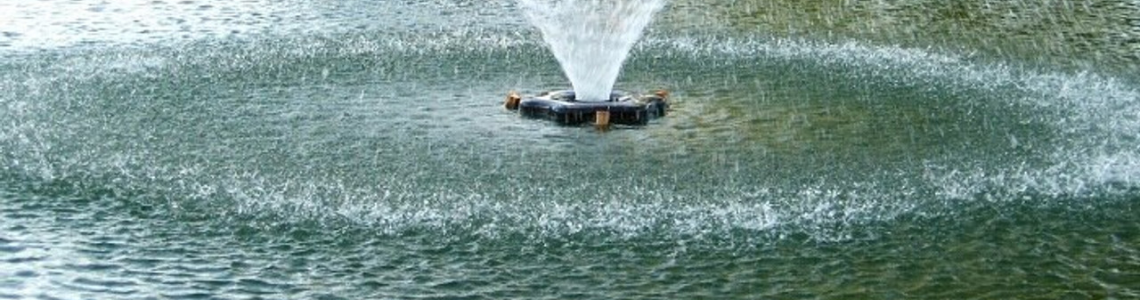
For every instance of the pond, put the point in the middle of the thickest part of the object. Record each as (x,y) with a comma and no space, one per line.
(359,149)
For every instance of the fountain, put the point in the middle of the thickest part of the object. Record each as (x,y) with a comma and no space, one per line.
(591,38)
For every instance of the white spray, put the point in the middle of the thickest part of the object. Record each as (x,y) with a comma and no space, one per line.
(591,38)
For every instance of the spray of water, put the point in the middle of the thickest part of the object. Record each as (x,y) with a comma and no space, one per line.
(591,38)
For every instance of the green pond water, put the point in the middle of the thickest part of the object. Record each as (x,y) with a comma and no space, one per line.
(359,150)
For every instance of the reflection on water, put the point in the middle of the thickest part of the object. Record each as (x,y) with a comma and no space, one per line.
(53,24)
(49,24)
(1096,34)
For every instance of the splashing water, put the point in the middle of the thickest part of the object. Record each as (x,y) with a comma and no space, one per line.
(591,38)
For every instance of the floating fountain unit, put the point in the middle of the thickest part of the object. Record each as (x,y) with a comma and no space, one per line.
(563,108)
(590,39)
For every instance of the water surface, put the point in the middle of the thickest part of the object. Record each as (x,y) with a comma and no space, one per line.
(359,150)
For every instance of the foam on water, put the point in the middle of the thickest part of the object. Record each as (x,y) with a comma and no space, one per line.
(591,38)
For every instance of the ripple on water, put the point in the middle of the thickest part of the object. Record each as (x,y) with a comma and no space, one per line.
(278,198)
(9,248)
(256,286)
(104,285)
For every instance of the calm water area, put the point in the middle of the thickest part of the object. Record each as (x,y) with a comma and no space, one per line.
(892,149)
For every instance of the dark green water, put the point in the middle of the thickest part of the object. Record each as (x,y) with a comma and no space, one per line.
(354,150)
